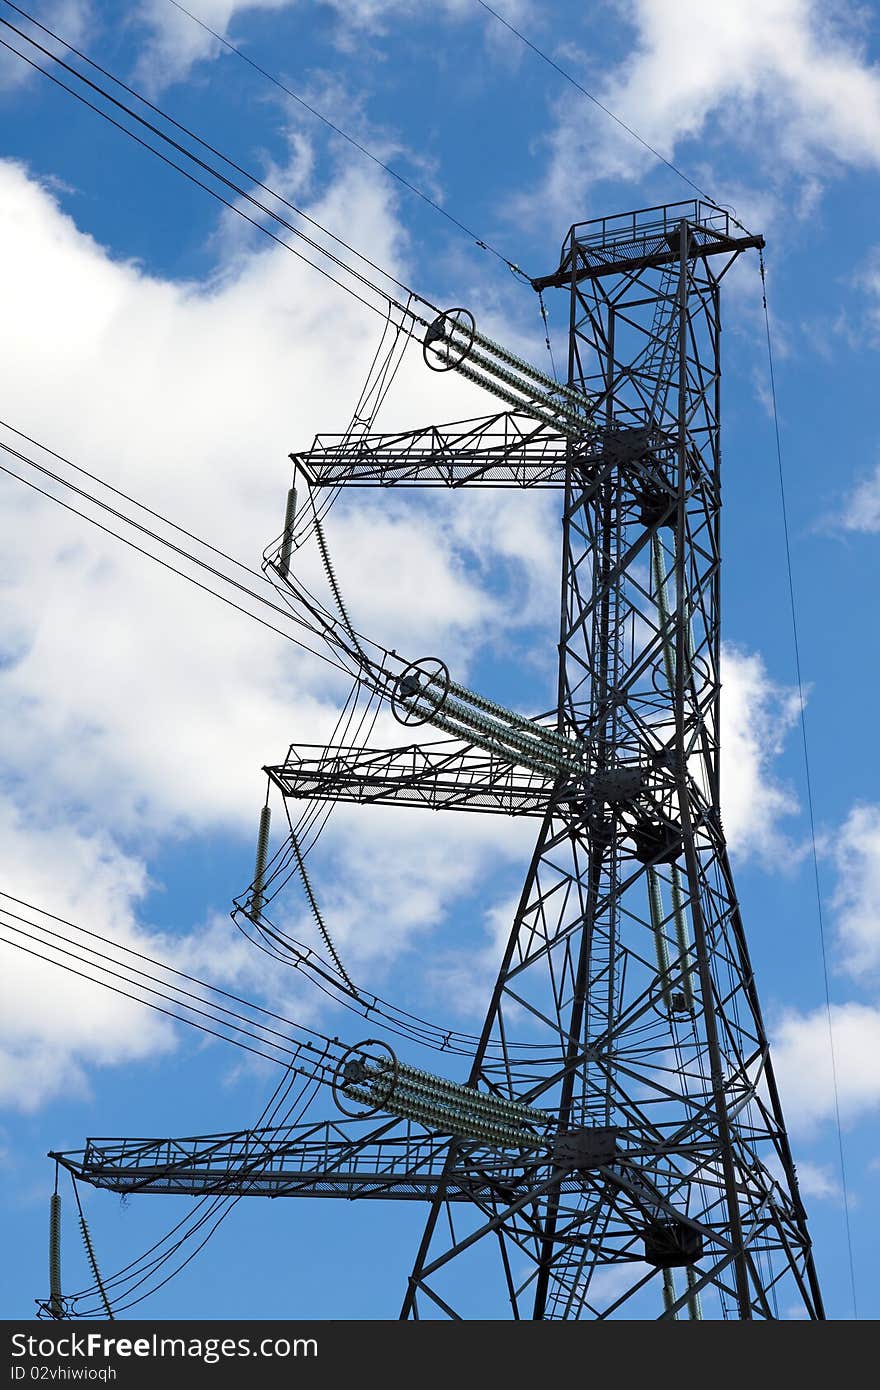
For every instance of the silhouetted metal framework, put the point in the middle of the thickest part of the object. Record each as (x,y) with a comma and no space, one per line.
(625,1006)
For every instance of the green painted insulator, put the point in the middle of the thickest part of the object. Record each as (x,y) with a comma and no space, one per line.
(545,766)
(287,536)
(669,1294)
(354,1092)
(547,755)
(547,401)
(257,897)
(559,424)
(682,939)
(505,355)
(663,610)
(466,1101)
(694,1305)
(520,721)
(661,584)
(655,901)
(56,1303)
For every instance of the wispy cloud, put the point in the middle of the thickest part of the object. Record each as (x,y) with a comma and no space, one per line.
(786,77)
(176,42)
(70,18)
(856,849)
(860,510)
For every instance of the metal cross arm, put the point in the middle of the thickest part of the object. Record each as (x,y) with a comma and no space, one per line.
(447,775)
(509,449)
(331,1158)
(393,1160)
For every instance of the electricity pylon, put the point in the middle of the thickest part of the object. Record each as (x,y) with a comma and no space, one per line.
(623,1153)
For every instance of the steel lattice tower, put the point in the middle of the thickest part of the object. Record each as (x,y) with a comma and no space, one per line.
(625,1003)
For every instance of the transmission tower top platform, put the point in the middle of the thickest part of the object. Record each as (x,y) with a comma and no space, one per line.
(648,237)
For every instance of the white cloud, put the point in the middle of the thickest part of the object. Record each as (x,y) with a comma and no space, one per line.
(817,1180)
(151,706)
(869,282)
(152,702)
(856,848)
(176,42)
(756,715)
(785,76)
(861,510)
(466,979)
(394,876)
(802,1060)
(54,1026)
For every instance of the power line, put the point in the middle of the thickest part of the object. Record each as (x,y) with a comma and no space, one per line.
(491,371)
(285,613)
(809,789)
(138,999)
(325,624)
(47,937)
(126,497)
(184,130)
(368,153)
(228,183)
(208,1205)
(211,1204)
(539,52)
(136,984)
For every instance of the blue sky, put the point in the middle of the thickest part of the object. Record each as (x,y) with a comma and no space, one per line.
(182,357)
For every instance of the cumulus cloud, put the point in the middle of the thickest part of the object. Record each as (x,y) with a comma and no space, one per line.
(176,42)
(802,1059)
(53,1026)
(869,280)
(189,396)
(467,980)
(756,715)
(72,18)
(786,76)
(153,706)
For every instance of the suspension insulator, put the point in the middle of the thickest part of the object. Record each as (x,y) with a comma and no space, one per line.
(287,536)
(56,1302)
(385,1083)
(96,1273)
(257,897)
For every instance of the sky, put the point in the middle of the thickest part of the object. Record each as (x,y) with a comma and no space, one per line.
(155,339)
